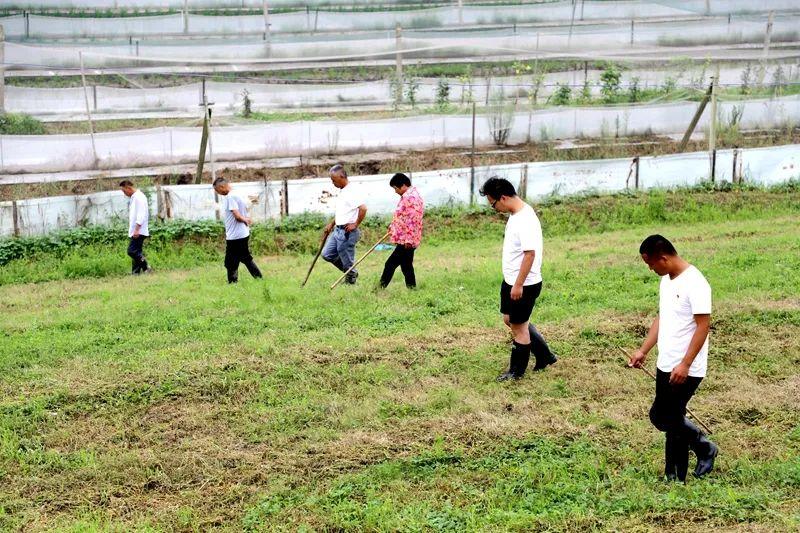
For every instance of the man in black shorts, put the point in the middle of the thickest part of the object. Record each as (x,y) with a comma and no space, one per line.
(522,277)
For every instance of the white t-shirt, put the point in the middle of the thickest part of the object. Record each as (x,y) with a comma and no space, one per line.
(347,204)
(679,300)
(523,233)
(138,213)
(233,228)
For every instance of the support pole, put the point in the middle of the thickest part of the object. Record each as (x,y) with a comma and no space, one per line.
(285,202)
(88,110)
(695,119)
(2,70)
(472,161)
(201,158)
(15,216)
(185,16)
(461,11)
(734,177)
(267,34)
(632,24)
(398,44)
(767,38)
(523,182)
(712,137)
(636,172)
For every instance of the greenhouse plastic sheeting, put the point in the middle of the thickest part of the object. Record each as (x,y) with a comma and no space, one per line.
(54,27)
(610,38)
(198,202)
(227,97)
(39,216)
(766,166)
(42,153)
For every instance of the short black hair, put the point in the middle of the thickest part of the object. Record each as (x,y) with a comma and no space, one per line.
(399,179)
(219,181)
(497,187)
(126,183)
(338,168)
(655,245)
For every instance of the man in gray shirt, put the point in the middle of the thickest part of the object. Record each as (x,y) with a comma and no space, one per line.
(237,232)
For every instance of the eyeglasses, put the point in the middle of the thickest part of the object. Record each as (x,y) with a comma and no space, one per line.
(494,203)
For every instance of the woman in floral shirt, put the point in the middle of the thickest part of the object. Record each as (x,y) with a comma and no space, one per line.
(405,231)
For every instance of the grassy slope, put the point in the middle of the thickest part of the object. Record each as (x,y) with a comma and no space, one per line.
(177,402)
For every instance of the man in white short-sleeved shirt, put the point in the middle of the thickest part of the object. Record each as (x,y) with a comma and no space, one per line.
(237,232)
(681,332)
(340,247)
(522,277)
(138,228)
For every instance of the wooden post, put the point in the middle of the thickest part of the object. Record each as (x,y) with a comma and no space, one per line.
(488,89)
(472,161)
(285,202)
(398,44)
(767,38)
(632,31)
(695,119)
(712,137)
(201,158)
(210,144)
(734,178)
(523,182)
(267,34)
(94,97)
(15,216)
(636,172)
(713,165)
(88,111)
(2,69)
(185,16)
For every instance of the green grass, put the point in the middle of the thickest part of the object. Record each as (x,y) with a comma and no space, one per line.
(174,402)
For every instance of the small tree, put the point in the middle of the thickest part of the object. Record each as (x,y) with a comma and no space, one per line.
(412,87)
(747,79)
(634,93)
(586,92)
(500,117)
(442,95)
(247,104)
(538,80)
(563,94)
(610,79)
(778,81)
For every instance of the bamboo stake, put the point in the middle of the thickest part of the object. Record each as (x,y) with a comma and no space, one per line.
(338,281)
(646,371)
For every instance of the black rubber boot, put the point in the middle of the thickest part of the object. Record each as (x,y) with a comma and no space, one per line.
(670,468)
(540,349)
(706,452)
(520,354)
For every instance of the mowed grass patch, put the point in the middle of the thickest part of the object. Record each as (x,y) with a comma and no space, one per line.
(176,402)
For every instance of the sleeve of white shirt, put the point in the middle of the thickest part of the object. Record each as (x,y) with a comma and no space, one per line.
(140,210)
(528,231)
(231,204)
(700,297)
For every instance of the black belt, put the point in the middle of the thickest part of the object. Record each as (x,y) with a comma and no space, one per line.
(342,226)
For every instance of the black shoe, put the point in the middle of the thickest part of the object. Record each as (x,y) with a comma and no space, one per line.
(706,464)
(351,278)
(506,376)
(542,362)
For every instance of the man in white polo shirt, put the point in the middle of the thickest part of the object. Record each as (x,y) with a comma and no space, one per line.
(237,232)
(681,332)
(340,248)
(522,277)
(138,229)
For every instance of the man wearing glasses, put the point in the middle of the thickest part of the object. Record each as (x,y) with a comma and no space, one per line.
(522,277)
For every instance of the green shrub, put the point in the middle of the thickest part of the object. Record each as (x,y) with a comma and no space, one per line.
(19,124)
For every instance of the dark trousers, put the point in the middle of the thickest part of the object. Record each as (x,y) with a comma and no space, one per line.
(668,414)
(136,253)
(404,258)
(238,251)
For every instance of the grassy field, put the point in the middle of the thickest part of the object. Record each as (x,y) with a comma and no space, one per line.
(174,402)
